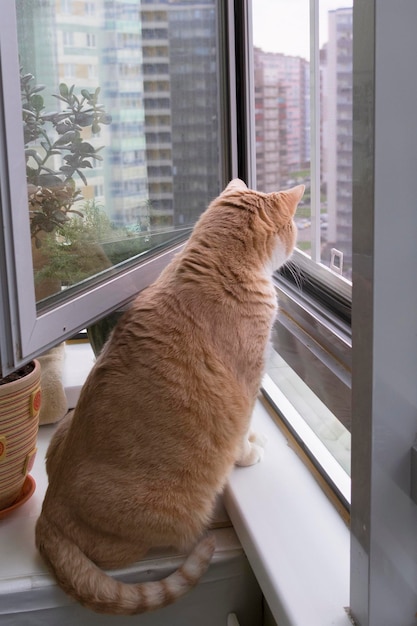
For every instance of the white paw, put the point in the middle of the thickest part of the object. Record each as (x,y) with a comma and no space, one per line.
(257,438)
(251,453)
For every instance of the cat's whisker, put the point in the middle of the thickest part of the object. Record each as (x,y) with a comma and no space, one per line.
(295,271)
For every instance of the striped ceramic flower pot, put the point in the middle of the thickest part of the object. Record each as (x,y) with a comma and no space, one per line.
(19,422)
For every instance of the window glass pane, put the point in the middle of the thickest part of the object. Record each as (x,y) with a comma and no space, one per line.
(121,130)
(323,423)
(303,118)
(282,101)
(303,123)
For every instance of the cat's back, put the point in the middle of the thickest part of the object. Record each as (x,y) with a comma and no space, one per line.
(160,398)
(161,365)
(192,345)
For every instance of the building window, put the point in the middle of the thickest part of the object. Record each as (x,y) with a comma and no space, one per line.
(90,8)
(68,38)
(90,40)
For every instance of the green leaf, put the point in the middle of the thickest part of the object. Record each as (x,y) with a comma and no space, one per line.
(86,148)
(26,78)
(49,180)
(54,95)
(60,217)
(84,119)
(63,90)
(83,178)
(30,152)
(37,102)
(67,137)
(37,88)
(28,112)
(34,155)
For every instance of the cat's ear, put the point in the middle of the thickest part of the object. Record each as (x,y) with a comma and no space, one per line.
(236,185)
(291,197)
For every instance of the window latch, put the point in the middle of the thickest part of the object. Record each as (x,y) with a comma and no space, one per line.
(336,261)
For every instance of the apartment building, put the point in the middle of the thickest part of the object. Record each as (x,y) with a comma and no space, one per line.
(337,132)
(119,57)
(282,117)
(158,116)
(181,108)
(156,65)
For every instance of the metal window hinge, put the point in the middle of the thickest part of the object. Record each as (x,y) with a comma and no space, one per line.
(413,482)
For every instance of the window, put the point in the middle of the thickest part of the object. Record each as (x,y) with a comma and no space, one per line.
(92,72)
(69,70)
(66,6)
(90,40)
(302,126)
(348,341)
(96,165)
(90,8)
(303,82)
(68,38)
(331,103)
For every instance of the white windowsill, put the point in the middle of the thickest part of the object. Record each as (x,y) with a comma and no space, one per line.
(296,542)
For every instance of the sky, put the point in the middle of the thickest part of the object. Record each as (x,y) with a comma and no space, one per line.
(283,25)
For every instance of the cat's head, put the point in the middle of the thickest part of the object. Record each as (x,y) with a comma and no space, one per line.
(271,214)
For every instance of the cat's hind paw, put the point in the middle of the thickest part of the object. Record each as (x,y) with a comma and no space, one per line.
(250,454)
(257,438)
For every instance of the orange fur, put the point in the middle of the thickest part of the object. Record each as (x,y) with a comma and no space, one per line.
(165,412)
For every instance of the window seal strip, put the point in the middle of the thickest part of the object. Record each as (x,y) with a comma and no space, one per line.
(309,443)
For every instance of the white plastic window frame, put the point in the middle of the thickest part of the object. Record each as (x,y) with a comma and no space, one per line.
(384,424)
(383,573)
(24,331)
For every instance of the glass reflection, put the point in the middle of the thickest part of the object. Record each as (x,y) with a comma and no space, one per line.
(284,78)
(120,116)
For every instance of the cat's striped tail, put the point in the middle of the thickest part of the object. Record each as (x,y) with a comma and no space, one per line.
(93,588)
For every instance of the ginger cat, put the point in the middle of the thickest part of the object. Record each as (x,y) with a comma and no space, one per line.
(164,414)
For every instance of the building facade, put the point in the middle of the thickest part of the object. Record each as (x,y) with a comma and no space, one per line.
(337,133)
(282,104)
(155,64)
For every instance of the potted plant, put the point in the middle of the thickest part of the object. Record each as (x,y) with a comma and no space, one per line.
(50,138)
(56,152)
(59,250)
(20,400)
